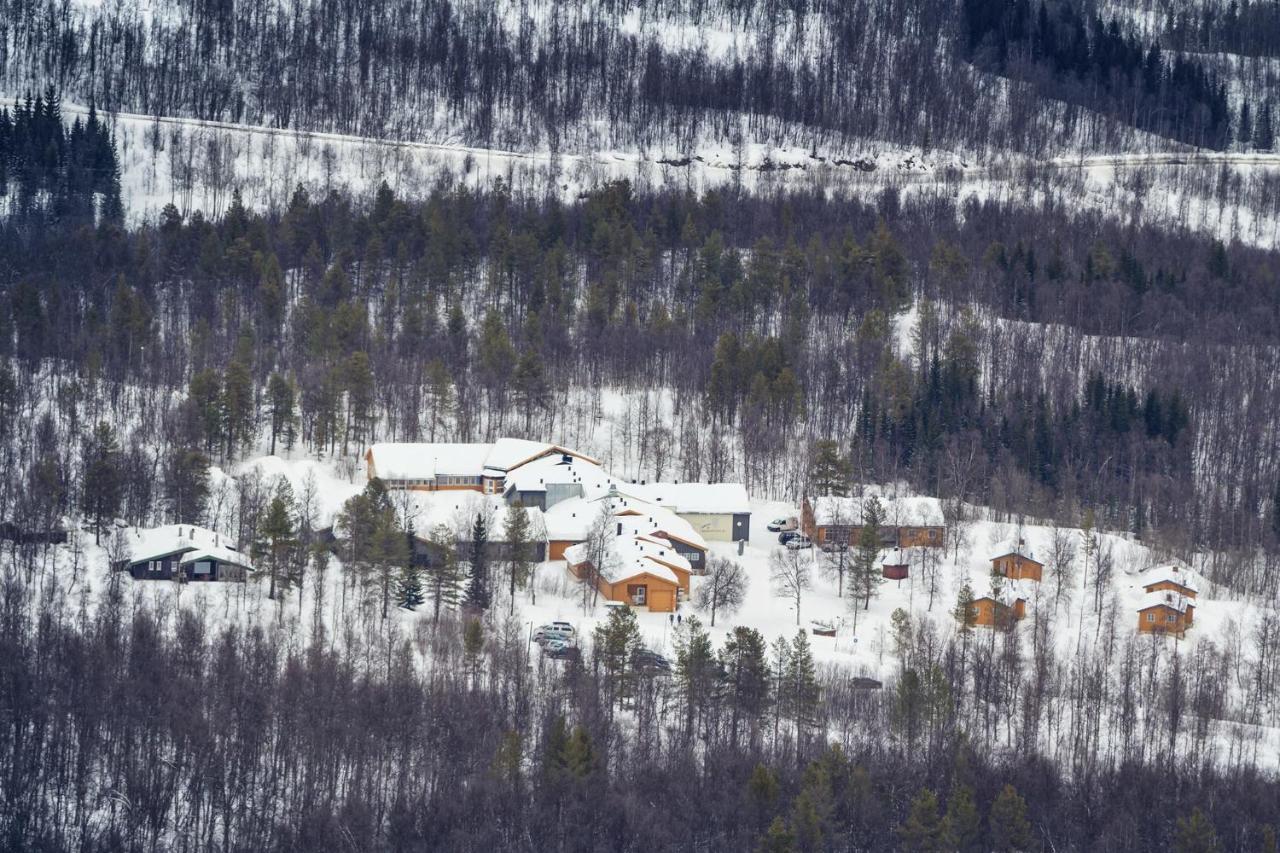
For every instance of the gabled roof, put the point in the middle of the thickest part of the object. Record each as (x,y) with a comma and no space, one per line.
(1172,574)
(1165,598)
(894,557)
(1010,593)
(191,543)
(222,555)
(1014,549)
(427,461)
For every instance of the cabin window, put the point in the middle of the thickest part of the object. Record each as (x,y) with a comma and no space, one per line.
(153,565)
(202,567)
(1151,617)
(1171,618)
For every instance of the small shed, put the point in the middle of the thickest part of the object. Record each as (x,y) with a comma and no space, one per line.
(894,566)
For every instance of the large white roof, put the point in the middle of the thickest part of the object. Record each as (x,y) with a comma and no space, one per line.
(1012,546)
(155,542)
(457,511)
(896,511)
(708,498)
(427,461)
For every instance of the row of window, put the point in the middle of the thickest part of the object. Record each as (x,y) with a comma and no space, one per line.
(1171,618)
(440,481)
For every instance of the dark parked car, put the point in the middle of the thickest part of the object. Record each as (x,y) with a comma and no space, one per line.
(652,662)
(565,653)
(787,535)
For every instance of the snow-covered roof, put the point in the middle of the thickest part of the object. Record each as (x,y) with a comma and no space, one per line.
(894,557)
(1165,598)
(569,520)
(1015,547)
(155,542)
(1171,573)
(629,557)
(1009,593)
(457,511)
(895,512)
(708,498)
(427,461)
(536,475)
(222,555)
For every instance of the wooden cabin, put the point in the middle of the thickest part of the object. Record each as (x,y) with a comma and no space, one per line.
(1169,578)
(1165,612)
(992,612)
(641,570)
(1017,564)
(183,552)
(833,522)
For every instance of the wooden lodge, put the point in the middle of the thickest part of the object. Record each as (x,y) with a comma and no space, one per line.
(837,522)
(1168,604)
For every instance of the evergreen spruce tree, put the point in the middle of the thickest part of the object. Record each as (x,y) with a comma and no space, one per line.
(1196,834)
(515,531)
(922,830)
(277,530)
(443,574)
(866,562)
(1010,830)
(829,472)
(477,597)
(102,485)
(409,594)
(962,825)
(777,839)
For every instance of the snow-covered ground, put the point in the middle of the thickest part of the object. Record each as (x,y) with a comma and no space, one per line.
(863,644)
(196,165)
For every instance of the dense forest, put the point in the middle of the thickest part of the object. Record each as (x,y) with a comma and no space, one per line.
(132,729)
(587,76)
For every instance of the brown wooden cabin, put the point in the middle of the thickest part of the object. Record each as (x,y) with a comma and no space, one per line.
(889,535)
(1166,612)
(641,589)
(988,612)
(1017,566)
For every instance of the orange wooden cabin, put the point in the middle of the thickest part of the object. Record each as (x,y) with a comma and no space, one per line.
(1165,613)
(1016,565)
(1000,609)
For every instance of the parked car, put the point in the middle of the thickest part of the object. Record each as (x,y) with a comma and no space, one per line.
(798,542)
(545,634)
(651,662)
(787,535)
(779,525)
(564,652)
(555,645)
(555,628)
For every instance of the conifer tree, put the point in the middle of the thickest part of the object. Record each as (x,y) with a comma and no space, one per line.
(922,830)
(277,531)
(1196,834)
(962,825)
(777,839)
(866,562)
(829,472)
(443,574)
(409,594)
(515,531)
(478,597)
(1008,820)
(102,484)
